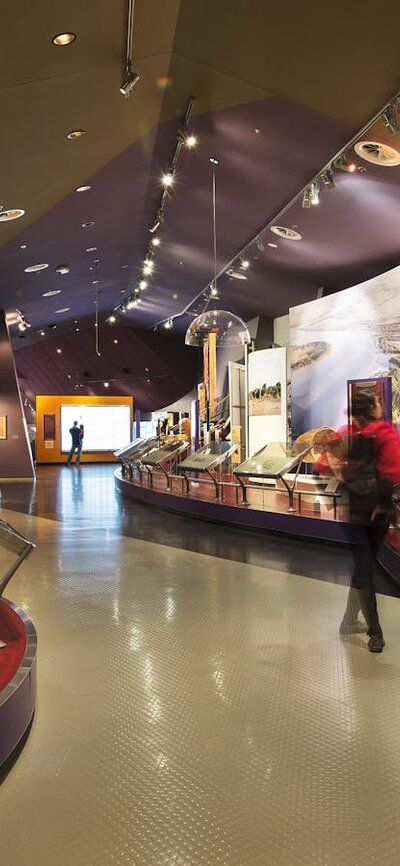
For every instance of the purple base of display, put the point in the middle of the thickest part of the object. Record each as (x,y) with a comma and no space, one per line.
(309,528)
(18,699)
(247,518)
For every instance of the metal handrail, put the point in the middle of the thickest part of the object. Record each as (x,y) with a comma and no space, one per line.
(10,538)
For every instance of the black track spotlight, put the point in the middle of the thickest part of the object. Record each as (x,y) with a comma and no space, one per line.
(328,179)
(390,119)
(306,201)
(130,81)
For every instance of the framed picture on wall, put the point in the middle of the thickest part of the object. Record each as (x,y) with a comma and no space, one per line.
(49,427)
(3,426)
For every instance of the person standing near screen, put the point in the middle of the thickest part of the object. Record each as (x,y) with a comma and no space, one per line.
(75,445)
(80,446)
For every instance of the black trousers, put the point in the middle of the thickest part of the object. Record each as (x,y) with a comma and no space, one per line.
(366,539)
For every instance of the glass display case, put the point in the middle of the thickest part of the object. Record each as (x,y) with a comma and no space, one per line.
(206,460)
(269,463)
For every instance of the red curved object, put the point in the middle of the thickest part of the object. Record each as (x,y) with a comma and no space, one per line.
(17,676)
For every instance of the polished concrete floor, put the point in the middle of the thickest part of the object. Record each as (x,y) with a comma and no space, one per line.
(195,702)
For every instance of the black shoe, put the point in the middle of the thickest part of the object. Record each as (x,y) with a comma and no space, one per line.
(376,643)
(355,627)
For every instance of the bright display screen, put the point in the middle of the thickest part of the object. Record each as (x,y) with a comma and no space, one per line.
(107,428)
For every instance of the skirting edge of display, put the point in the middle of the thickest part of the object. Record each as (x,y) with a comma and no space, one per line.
(18,698)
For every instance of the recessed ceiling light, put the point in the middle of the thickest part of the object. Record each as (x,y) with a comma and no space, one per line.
(112,319)
(59,351)
(115,341)
(106,384)
(245,264)
(69,376)
(32,269)
(75,134)
(11,214)
(174,296)
(91,249)
(83,188)
(62,269)
(63,310)
(88,224)
(142,285)
(273,246)
(77,330)
(378,153)
(95,282)
(63,38)
(288,234)
(24,246)
(51,292)
(155,242)
(42,333)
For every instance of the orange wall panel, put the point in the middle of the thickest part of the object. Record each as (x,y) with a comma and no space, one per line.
(52,406)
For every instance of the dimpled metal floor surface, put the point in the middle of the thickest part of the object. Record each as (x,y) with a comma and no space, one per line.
(194,710)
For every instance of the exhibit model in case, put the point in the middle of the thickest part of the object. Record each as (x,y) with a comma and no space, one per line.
(131,455)
(164,458)
(267,463)
(206,460)
(18,645)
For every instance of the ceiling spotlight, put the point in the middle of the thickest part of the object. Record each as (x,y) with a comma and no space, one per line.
(314,192)
(148,268)
(75,134)
(42,333)
(115,341)
(245,264)
(167,180)
(306,200)
(390,119)
(64,38)
(169,324)
(77,330)
(344,164)
(59,351)
(63,310)
(51,292)
(130,81)
(131,304)
(190,141)
(142,285)
(62,269)
(106,384)
(88,224)
(155,242)
(273,246)
(328,179)
(23,246)
(91,249)
(83,188)
(112,319)
(33,269)
(95,282)
(155,225)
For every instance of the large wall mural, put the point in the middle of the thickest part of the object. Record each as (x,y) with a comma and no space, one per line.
(354,334)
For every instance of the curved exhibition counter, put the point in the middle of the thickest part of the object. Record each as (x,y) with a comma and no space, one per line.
(18,644)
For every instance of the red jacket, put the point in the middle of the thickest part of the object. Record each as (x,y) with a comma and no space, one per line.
(387,448)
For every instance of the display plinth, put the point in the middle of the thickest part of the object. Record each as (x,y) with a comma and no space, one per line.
(17,676)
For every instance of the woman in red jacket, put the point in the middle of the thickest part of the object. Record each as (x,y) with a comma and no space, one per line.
(367,457)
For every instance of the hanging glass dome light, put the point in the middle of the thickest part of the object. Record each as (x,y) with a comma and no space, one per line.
(230,329)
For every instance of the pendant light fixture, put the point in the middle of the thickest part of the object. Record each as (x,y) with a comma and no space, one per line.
(229,329)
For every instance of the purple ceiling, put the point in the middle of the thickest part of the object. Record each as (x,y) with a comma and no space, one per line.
(156,369)
(267,151)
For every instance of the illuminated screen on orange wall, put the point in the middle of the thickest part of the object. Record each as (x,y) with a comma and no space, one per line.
(107,428)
